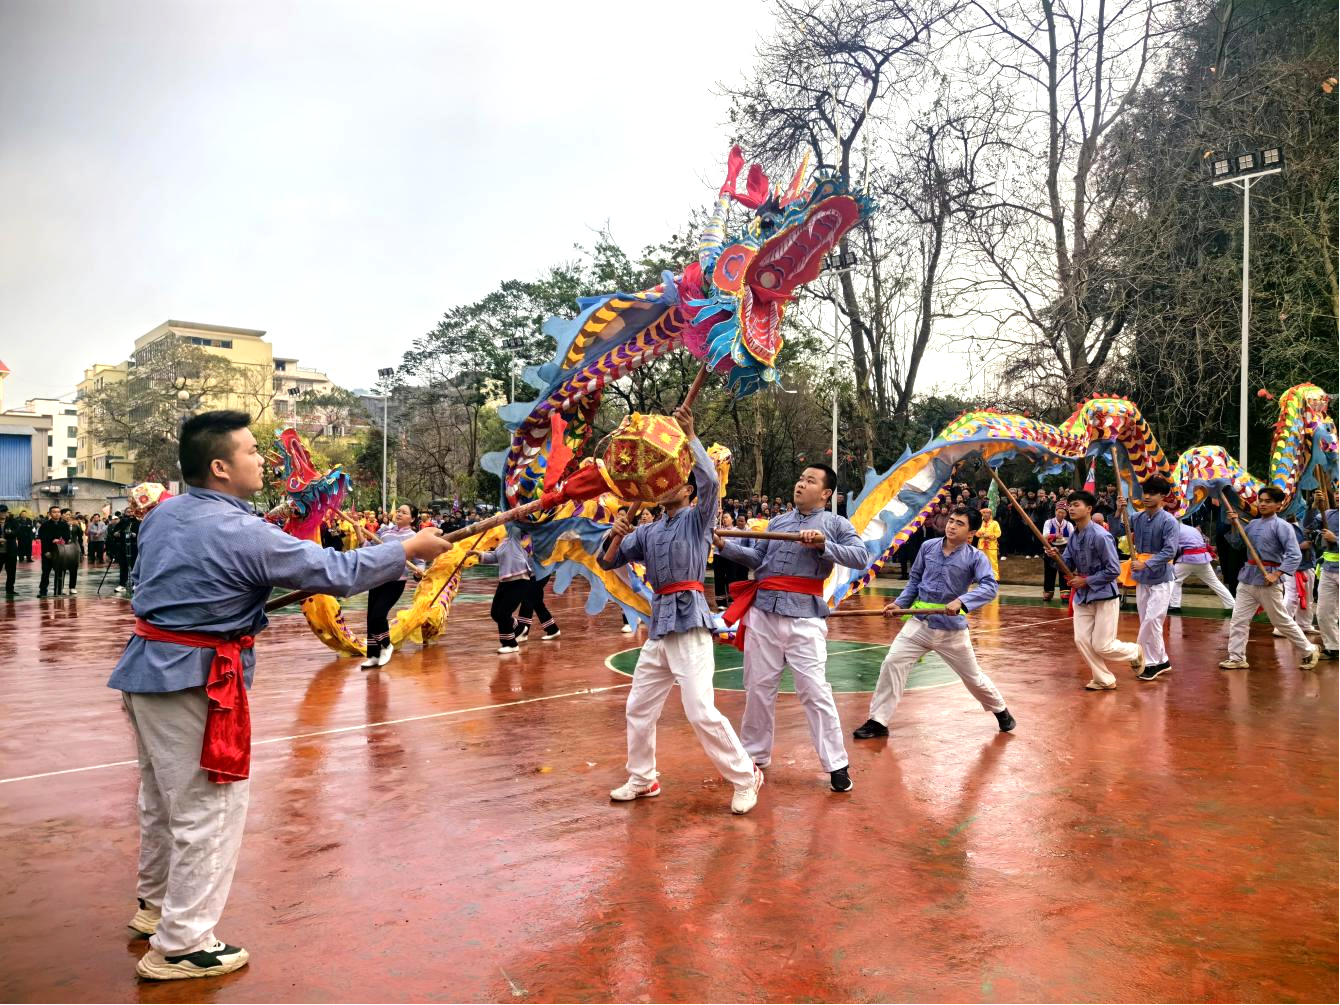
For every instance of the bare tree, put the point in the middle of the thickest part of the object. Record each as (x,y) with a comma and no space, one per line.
(832,68)
(1073,70)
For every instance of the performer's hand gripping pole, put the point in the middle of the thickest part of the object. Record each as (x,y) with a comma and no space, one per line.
(1047,546)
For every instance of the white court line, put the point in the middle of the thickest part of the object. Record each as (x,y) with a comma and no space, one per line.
(440,715)
(345,729)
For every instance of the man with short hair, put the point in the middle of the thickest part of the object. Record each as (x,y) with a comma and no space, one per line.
(1091,555)
(9,547)
(1056,529)
(948,571)
(206,566)
(1154,547)
(74,534)
(1261,585)
(783,619)
(50,535)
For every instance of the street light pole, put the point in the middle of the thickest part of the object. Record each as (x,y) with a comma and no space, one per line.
(1243,171)
(384,375)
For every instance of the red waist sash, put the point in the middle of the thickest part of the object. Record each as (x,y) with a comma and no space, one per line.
(683,586)
(226,751)
(744,592)
(1196,551)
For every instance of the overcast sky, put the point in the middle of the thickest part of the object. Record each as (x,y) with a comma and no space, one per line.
(335,173)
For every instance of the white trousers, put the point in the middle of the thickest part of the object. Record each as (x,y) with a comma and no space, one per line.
(1203,571)
(683,658)
(1328,608)
(1292,606)
(1096,638)
(771,642)
(1152,603)
(915,640)
(190,828)
(1244,609)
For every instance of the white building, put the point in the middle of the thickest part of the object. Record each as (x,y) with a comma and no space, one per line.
(63,437)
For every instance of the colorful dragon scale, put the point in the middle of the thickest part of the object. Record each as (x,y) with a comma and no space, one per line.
(892,506)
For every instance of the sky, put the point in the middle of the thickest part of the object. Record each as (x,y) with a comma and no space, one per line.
(337,174)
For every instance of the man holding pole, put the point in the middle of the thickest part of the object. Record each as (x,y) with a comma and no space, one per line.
(1092,556)
(782,618)
(1274,554)
(679,647)
(206,564)
(1154,537)
(948,571)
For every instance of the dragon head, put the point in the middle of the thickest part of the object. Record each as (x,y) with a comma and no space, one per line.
(739,288)
(309,495)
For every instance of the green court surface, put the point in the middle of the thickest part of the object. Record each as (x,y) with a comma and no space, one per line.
(852,666)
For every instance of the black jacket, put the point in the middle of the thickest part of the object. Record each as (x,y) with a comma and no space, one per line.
(50,532)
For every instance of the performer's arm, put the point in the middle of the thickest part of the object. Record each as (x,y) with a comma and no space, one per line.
(844,546)
(909,595)
(709,486)
(985,590)
(267,556)
(750,556)
(630,550)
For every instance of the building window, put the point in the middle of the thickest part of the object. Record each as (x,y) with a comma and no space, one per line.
(71,431)
(81,467)
(51,440)
(69,452)
(69,472)
(49,461)
(279,365)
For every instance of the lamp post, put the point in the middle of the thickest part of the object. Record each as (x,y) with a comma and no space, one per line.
(837,265)
(384,375)
(1243,170)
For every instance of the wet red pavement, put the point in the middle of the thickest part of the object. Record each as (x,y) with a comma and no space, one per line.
(440,830)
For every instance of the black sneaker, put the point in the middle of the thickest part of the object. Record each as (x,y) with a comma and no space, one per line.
(1151,672)
(1329,654)
(218,959)
(1174,610)
(1005,719)
(870,729)
(840,780)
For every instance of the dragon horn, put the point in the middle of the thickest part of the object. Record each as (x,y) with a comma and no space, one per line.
(733,164)
(797,180)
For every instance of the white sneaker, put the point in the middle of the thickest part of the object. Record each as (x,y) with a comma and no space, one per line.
(70,592)
(509,649)
(1277,633)
(385,657)
(1137,662)
(146,919)
(1094,685)
(627,629)
(1310,661)
(746,798)
(369,663)
(631,790)
(522,636)
(211,962)
(550,636)
(119,589)
(1235,663)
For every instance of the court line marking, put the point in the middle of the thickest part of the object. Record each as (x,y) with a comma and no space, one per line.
(346,729)
(439,715)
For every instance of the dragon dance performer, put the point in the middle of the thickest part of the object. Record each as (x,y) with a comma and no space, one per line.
(1328,591)
(1278,549)
(383,597)
(1193,560)
(516,589)
(679,644)
(988,539)
(1092,556)
(534,605)
(783,619)
(944,572)
(206,566)
(1155,532)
